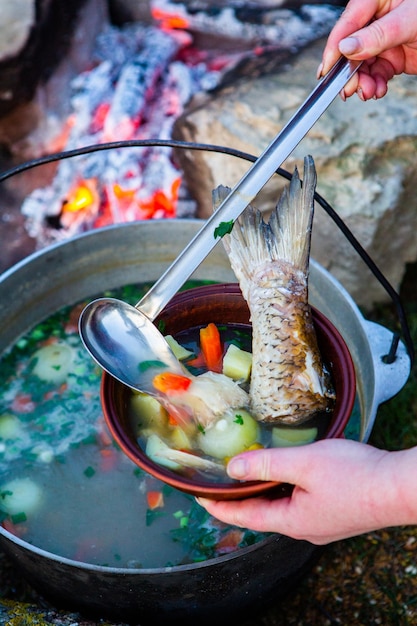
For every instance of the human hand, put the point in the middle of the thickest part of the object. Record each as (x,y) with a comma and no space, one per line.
(342,488)
(388,45)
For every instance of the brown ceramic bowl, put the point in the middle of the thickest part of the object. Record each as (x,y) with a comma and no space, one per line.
(222,303)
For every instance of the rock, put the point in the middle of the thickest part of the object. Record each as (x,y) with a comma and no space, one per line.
(34,36)
(365,154)
(17,20)
(52,42)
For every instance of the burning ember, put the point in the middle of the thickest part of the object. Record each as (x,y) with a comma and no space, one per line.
(141,79)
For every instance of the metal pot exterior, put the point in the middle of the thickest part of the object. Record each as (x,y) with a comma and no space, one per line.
(219,590)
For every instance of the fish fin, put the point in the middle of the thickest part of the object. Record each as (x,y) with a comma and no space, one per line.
(286,237)
(291,222)
(245,244)
(218,195)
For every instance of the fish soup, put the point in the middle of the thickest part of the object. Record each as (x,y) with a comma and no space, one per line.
(65,486)
(190,448)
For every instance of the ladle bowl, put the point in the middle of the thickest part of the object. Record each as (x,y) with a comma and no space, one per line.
(116,334)
(222,303)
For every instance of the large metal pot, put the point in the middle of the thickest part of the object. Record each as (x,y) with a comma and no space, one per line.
(227,586)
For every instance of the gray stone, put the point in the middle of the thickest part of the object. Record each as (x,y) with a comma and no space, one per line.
(365,154)
(35,81)
(16,22)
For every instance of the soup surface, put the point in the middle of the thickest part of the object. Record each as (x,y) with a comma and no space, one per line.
(65,486)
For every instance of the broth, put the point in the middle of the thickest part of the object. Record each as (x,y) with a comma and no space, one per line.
(65,486)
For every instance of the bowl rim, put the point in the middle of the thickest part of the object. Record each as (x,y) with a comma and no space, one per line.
(235,490)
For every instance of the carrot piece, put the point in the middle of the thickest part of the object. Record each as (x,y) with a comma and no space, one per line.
(230,541)
(108,459)
(198,361)
(168,382)
(16,529)
(155,499)
(104,437)
(23,403)
(211,347)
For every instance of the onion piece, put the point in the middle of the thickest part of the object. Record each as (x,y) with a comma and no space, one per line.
(161,453)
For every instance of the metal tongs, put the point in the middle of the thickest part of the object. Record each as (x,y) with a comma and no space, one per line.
(248,187)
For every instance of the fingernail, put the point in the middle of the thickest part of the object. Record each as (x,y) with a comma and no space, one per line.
(350,45)
(237,468)
(360,94)
(343,95)
(319,70)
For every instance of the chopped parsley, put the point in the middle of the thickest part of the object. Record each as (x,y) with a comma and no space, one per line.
(18,518)
(146,365)
(152,515)
(224,228)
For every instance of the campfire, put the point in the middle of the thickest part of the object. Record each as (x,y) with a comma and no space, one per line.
(141,79)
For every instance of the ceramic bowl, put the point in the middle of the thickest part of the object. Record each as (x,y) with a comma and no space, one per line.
(220,304)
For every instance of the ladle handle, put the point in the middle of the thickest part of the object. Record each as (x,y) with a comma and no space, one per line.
(248,187)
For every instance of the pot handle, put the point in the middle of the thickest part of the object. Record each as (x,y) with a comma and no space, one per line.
(389,377)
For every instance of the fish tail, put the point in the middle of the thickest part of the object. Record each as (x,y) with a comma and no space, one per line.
(286,237)
(291,222)
(246,244)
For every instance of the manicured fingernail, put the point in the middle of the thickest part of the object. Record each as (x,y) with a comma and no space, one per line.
(237,468)
(350,45)
(360,94)
(319,70)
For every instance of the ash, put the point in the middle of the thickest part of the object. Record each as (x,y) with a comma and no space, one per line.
(285,25)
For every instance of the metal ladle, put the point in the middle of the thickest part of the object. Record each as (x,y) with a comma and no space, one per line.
(118,335)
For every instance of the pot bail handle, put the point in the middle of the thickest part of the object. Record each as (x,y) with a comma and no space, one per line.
(390,375)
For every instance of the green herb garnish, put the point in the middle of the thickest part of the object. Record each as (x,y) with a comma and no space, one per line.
(224,228)
(152,515)
(18,518)
(162,326)
(184,521)
(238,419)
(89,471)
(146,365)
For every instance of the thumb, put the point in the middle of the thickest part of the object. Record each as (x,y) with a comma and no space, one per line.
(388,32)
(271,464)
